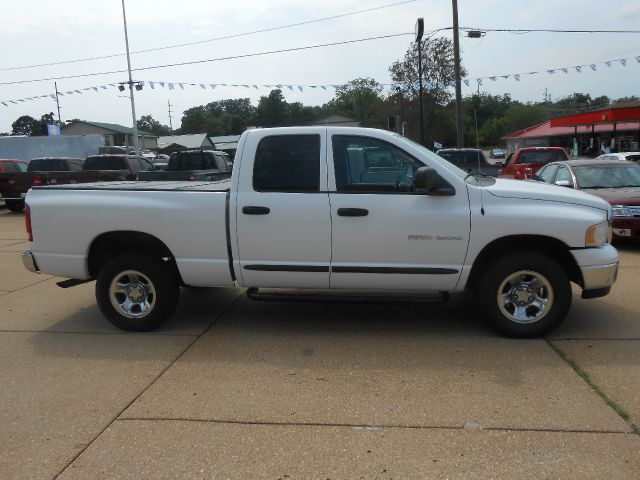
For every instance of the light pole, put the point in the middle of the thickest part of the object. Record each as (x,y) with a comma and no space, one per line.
(133,103)
(456,70)
(419,33)
(399,90)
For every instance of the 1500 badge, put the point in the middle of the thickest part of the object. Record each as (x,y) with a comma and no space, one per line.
(435,237)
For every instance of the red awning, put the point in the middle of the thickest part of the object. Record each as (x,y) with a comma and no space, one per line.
(625,112)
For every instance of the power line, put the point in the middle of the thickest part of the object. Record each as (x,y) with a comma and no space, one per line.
(215,39)
(545,30)
(218,59)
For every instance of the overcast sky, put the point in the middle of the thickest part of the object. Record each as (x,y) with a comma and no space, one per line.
(37,32)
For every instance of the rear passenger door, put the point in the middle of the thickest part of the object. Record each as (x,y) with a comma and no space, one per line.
(282,210)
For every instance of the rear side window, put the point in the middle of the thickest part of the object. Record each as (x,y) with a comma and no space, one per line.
(47,165)
(105,162)
(193,161)
(9,167)
(541,157)
(22,167)
(287,163)
(464,157)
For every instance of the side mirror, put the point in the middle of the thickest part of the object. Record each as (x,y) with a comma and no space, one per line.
(564,183)
(426,178)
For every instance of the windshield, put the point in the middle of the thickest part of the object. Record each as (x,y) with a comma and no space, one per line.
(541,156)
(607,176)
(105,162)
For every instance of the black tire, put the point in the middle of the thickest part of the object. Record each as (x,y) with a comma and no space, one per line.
(523,280)
(15,206)
(152,285)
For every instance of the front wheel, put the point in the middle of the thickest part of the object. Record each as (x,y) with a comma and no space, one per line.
(525,294)
(137,293)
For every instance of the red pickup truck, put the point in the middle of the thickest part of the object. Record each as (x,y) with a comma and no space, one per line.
(525,162)
(62,170)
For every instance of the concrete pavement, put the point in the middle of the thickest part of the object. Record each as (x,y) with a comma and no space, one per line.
(230,388)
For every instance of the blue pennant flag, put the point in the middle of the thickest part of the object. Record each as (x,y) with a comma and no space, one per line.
(203,86)
(181,86)
(565,70)
(161,84)
(104,87)
(5,104)
(608,63)
(479,80)
(212,85)
(95,88)
(517,77)
(638,59)
(171,86)
(493,79)
(78,91)
(466,82)
(623,61)
(593,67)
(323,87)
(578,69)
(300,88)
(152,85)
(551,72)
(290,87)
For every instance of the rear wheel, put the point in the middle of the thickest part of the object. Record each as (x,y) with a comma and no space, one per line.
(137,293)
(15,205)
(525,294)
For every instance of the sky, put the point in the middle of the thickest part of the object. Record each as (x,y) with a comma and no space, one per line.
(36,32)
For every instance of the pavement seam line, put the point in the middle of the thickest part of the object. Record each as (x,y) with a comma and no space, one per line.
(146,334)
(365,426)
(587,379)
(153,381)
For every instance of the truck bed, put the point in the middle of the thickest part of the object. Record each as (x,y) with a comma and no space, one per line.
(191,221)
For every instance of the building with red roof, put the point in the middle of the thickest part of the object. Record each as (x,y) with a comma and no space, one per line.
(615,126)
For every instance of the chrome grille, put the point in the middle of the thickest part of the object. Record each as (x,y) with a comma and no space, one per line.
(635,210)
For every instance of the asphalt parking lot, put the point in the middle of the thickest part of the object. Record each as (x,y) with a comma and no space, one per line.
(231,388)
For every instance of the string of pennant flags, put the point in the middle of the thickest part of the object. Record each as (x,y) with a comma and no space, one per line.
(393,87)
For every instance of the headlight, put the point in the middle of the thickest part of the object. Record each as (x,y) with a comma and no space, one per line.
(597,235)
(621,211)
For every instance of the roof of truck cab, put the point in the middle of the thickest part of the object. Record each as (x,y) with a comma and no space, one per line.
(175,186)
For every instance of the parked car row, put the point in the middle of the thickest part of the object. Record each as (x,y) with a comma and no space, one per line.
(17,177)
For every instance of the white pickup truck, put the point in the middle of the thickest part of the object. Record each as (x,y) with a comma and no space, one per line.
(328,208)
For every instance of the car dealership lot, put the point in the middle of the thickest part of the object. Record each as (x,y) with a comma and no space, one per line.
(231,388)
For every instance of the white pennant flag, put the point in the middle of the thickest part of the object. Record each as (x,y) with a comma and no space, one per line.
(203,86)
(212,85)
(152,85)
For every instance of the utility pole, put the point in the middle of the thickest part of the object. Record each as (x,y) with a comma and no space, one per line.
(170,117)
(55,84)
(456,69)
(133,103)
(419,33)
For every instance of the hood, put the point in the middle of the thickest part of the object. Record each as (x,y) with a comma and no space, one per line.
(617,196)
(531,190)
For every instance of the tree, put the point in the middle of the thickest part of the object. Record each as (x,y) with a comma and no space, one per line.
(272,109)
(222,117)
(437,77)
(27,125)
(361,99)
(24,125)
(148,124)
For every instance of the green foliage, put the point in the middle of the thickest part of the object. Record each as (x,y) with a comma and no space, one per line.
(222,117)
(27,125)
(147,123)
(272,110)
(361,99)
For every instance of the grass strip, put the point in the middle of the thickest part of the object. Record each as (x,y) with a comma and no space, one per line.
(585,376)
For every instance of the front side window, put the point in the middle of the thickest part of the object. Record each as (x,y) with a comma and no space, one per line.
(547,173)
(564,175)
(364,164)
(287,163)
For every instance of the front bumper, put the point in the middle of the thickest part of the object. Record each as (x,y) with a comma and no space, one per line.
(599,267)
(29,262)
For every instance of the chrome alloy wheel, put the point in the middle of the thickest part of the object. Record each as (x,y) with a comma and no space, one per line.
(132,294)
(525,296)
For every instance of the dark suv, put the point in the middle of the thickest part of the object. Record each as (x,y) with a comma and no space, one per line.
(472,160)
